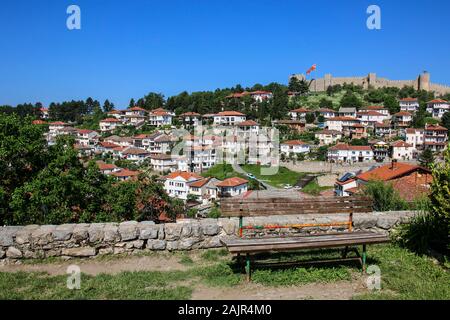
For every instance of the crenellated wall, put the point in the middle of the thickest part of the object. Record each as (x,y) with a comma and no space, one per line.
(88,240)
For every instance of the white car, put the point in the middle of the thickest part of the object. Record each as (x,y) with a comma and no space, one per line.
(251,176)
(287,186)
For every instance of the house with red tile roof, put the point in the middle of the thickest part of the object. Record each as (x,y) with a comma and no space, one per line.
(294,147)
(402,119)
(327,137)
(232,187)
(125,174)
(44,113)
(160,117)
(191,118)
(177,183)
(344,153)
(410,181)
(435,138)
(438,107)
(400,150)
(109,124)
(229,118)
(299,113)
(409,105)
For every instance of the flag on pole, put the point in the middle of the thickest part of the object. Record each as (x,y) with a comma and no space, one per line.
(311,69)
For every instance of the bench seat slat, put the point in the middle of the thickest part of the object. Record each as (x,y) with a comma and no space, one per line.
(254,245)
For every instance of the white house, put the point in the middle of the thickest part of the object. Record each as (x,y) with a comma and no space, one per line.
(163,162)
(160,117)
(400,150)
(135,154)
(229,118)
(87,137)
(109,124)
(409,105)
(378,109)
(347,112)
(370,118)
(248,128)
(341,123)
(350,154)
(44,113)
(177,183)
(383,129)
(342,188)
(326,137)
(438,107)
(402,119)
(299,114)
(125,174)
(232,187)
(191,118)
(435,138)
(327,113)
(415,137)
(294,147)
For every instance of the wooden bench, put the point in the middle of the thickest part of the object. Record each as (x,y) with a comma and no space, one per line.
(295,206)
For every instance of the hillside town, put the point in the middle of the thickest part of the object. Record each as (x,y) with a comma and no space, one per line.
(181,148)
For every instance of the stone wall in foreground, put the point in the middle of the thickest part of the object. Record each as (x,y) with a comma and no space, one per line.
(88,240)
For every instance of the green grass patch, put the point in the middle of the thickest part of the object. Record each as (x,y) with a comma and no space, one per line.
(221,172)
(405,275)
(314,189)
(278,180)
(214,255)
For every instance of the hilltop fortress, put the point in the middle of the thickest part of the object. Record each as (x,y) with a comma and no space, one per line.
(422,82)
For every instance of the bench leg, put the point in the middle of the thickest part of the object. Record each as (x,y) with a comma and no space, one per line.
(247,267)
(364,256)
(344,253)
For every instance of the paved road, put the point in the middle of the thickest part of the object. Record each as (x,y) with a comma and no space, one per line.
(238,169)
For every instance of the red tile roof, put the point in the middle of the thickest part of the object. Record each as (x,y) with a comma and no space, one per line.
(190,114)
(108,145)
(230,113)
(39,122)
(232,182)
(110,120)
(344,146)
(403,113)
(106,166)
(184,174)
(199,183)
(342,119)
(401,144)
(409,99)
(58,123)
(248,123)
(435,127)
(390,172)
(126,173)
(136,109)
(437,101)
(301,110)
(294,143)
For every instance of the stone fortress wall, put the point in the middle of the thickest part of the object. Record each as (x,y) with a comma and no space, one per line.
(89,240)
(421,83)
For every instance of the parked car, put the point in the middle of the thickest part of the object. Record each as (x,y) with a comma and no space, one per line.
(251,176)
(287,186)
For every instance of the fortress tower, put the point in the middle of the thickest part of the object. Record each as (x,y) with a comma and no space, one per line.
(424,81)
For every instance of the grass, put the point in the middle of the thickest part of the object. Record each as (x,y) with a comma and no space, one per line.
(404,275)
(284,175)
(314,189)
(220,171)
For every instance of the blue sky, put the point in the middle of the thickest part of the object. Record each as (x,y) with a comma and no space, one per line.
(128,48)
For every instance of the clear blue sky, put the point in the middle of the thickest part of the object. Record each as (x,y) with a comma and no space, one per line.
(128,48)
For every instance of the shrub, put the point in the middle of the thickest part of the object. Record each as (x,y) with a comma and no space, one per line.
(385,197)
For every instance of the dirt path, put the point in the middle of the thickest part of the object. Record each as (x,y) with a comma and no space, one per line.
(98,266)
(343,290)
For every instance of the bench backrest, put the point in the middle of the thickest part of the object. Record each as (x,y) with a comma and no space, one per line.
(253,207)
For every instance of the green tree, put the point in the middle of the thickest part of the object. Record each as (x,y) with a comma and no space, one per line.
(108,106)
(426,158)
(440,193)
(446,120)
(391,103)
(350,100)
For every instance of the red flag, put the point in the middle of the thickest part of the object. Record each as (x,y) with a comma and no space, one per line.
(311,69)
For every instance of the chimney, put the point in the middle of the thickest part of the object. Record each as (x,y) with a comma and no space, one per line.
(394,164)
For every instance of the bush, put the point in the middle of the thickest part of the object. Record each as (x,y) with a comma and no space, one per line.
(385,197)
(422,233)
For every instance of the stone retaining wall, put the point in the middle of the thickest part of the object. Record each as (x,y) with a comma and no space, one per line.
(88,240)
